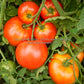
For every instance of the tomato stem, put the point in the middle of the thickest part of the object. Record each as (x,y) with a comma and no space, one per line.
(2,12)
(24,26)
(49,57)
(50,10)
(33,31)
(2,55)
(64,30)
(39,11)
(74,73)
(66,63)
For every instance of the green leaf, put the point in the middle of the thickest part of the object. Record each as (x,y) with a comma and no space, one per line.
(70,5)
(73,30)
(12,80)
(81,21)
(18,2)
(58,42)
(5,40)
(22,72)
(80,40)
(63,52)
(28,82)
(11,49)
(11,11)
(47,82)
(39,71)
(9,1)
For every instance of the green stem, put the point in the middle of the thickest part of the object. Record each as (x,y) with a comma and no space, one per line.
(74,73)
(49,57)
(57,6)
(33,31)
(79,64)
(76,59)
(2,13)
(36,18)
(70,13)
(59,30)
(2,55)
(64,30)
(71,51)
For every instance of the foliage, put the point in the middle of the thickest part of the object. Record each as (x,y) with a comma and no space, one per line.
(70,29)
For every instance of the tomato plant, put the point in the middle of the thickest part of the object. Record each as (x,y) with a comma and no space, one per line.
(61,71)
(31,54)
(45,32)
(32,32)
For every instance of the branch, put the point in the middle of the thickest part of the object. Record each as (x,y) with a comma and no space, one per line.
(2,12)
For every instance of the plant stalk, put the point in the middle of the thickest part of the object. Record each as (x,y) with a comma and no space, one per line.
(2,55)
(2,13)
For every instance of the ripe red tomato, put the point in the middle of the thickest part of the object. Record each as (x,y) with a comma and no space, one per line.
(14,31)
(80,56)
(31,54)
(26,10)
(45,32)
(51,12)
(60,73)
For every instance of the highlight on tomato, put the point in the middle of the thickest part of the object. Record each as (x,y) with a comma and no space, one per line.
(31,54)
(45,32)
(27,10)
(61,70)
(80,56)
(15,31)
(49,10)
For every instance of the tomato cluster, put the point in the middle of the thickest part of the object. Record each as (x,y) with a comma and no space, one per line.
(32,54)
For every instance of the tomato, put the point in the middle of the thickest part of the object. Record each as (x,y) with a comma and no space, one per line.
(31,54)
(15,32)
(26,10)
(60,72)
(45,32)
(51,12)
(80,56)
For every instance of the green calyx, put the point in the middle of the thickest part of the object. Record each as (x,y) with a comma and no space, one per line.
(24,26)
(29,16)
(51,10)
(41,27)
(66,63)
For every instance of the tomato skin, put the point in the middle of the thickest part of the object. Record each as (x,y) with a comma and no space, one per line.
(47,34)
(45,14)
(14,31)
(80,56)
(31,54)
(25,8)
(59,73)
